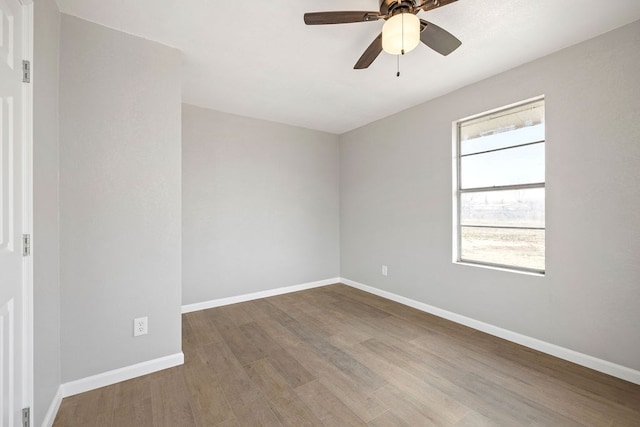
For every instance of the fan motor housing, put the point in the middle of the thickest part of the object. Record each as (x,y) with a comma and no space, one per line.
(389,6)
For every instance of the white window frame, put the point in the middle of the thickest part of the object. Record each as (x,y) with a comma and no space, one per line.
(457,192)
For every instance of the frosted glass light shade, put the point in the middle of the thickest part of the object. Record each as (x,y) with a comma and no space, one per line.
(393,41)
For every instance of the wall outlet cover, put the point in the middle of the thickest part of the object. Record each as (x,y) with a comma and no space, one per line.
(140,326)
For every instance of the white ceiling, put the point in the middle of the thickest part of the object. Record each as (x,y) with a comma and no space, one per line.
(258,59)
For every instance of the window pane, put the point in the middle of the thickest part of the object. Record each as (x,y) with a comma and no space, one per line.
(521,165)
(506,208)
(515,126)
(509,247)
(503,139)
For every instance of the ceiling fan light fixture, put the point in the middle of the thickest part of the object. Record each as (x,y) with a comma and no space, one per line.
(401,33)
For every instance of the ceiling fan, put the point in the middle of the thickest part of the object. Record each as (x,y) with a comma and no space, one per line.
(402,30)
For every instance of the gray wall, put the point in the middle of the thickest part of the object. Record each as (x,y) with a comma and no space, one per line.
(46,219)
(260,205)
(396,208)
(120,177)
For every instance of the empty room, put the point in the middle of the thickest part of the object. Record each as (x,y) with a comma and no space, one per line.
(291,213)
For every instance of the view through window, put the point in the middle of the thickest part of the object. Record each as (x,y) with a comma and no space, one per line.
(500,195)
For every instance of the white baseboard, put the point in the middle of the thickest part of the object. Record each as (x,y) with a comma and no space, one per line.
(188,308)
(582,359)
(50,416)
(122,374)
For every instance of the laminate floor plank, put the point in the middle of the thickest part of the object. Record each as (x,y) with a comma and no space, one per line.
(365,404)
(282,335)
(435,401)
(96,409)
(239,314)
(273,312)
(137,415)
(129,391)
(337,325)
(291,370)
(346,388)
(232,422)
(170,399)
(362,311)
(248,404)
(496,399)
(329,298)
(409,409)
(189,339)
(242,347)
(427,368)
(302,315)
(66,412)
(289,408)
(475,391)
(327,407)
(411,314)
(202,328)
(522,379)
(347,326)
(390,419)
(132,404)
(208,403)
(574,386)
(367,378)
(88,409)
(596,383)
(474,419)
(450,380)
(333,354)
(360,400)
(338,356)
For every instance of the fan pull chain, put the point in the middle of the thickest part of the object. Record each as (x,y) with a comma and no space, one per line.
(402,47)
(401,50)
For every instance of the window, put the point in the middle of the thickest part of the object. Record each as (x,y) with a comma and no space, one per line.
(500,197)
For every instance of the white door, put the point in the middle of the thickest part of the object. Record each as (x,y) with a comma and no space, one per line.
(14,157)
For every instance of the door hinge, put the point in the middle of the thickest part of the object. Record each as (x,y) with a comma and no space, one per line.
(26,71)
(26,417)
(26,244)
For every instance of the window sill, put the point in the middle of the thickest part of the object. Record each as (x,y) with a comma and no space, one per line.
(499,268)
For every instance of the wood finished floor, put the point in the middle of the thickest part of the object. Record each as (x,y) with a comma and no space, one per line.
(336,356)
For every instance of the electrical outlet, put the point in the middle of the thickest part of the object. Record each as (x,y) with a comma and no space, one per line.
(384,270)
(140,326)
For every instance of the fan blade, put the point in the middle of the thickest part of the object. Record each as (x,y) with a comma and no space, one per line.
(339,17)
(436,4)
(438,39)
(370,54)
